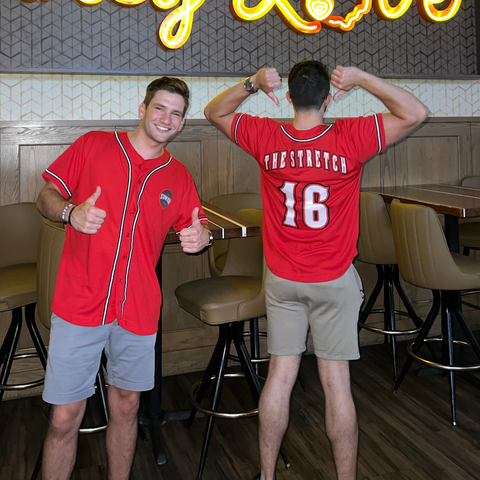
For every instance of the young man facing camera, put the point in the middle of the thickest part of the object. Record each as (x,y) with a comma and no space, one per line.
(310,180)
(120,193)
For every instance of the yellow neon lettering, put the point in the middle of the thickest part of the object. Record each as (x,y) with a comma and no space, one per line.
(427,10)
(182,15)
(129,3)
(317,9)
(164,4)
(347,23)
(384,10)
(289,15)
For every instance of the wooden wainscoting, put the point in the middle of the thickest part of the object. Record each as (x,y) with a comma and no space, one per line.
(440,151)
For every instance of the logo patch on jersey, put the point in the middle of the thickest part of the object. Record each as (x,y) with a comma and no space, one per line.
(165,198)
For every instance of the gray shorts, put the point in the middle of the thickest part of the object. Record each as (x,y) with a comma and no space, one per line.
(329,309)
(74,358)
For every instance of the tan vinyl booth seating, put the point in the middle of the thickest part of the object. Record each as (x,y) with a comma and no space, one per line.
(225,301)
(375,246)
(425,261)
(20,225)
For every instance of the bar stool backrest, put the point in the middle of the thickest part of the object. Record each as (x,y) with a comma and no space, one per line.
(49,252)
(375,239)
(423,256)
(237,256)
(21,224)
(472,182)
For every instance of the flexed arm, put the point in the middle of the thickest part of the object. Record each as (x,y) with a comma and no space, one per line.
(406,111)
(221,110)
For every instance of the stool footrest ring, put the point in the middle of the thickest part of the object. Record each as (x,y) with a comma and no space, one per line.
(211,413)
(253,360)
(441,366)
(389,332)
(23,386)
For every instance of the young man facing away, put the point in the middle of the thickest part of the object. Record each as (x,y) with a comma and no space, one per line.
(120,193)
(310,180)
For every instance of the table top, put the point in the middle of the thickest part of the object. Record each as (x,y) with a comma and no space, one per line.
(462,202)
(223,225)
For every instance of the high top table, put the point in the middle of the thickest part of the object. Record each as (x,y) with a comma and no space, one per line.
(223,225)
(454,202)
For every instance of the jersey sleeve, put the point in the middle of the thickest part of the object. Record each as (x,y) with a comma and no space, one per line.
(65,171)
(363,136)
(249,132)
(190,200)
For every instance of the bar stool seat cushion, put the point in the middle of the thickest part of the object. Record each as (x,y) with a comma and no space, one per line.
(17,286)
(469,234)
(220,300)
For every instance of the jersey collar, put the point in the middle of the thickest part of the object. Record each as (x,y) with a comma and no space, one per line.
(304,136)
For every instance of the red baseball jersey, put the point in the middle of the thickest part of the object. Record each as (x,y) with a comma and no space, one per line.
(111,275)
(310,181)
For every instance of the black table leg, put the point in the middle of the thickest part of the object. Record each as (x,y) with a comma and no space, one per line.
(156,416)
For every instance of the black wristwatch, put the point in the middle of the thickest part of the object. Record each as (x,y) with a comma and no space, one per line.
(248,84)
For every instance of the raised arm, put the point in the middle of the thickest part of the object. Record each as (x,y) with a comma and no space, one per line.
(85,218)
(221,110)
(406,111)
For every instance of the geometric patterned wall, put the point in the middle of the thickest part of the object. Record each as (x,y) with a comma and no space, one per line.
(42,97)
(64,36)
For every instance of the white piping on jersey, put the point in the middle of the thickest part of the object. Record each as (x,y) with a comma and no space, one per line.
(236,128)
(61,181)
(306,139)
(120,234)
(142,189)
(378,133)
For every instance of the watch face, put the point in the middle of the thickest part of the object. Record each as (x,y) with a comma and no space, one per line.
(248,85)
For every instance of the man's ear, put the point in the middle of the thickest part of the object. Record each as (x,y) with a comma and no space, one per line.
(289,100)
(326,103)
(141,110)
(327,100)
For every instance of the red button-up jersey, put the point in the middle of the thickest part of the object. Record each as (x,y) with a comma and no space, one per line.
(111,275)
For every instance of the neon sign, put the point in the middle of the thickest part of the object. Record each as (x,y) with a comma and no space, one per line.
(176,27)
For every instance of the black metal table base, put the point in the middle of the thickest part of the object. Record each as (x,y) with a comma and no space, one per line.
(155,424)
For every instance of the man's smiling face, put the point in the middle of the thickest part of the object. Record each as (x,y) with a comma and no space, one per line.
(163,117)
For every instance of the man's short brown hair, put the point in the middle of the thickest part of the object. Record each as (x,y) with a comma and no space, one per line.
(169,84)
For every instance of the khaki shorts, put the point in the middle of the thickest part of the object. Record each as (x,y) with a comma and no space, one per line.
(329,309)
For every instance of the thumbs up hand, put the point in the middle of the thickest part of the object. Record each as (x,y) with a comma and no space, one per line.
(196,237)
(87,218)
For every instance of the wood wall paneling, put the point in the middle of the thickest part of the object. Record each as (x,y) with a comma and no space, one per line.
(438,152)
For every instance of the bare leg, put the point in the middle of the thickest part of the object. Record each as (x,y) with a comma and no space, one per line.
(121,431)
(340,416)
(60,448)
(274,409)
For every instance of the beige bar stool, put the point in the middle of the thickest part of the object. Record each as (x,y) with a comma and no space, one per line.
(49,253)
(241,256)
(20,227)
(375,246)
(425,261)
(226,302)
(469,234)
